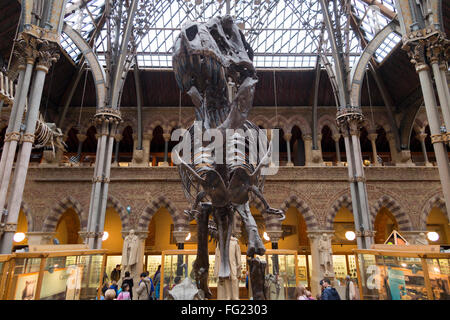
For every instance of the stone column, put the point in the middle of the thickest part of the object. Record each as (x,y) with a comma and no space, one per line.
(146,142)
(336,138)
(166,137)
(81,139)
(421,137)
(47,55)
(437,138)
(307,141)
(287,137)
(26,50)
(350,120)
(313,158)
(373,138)
(118,137)
(315,268)
(400,158)
(138,155)
(443,67)
(107,120)
(435,53)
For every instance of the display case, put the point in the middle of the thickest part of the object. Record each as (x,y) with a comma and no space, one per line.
(4,272)
(281,287)
(75,275)
(399,275)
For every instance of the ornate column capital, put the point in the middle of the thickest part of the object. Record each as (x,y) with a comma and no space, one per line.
(287,137)
(307,137)
(118,137)
(81,137)
(180,235)
(142,235)
(274,235)
(372,136)
(421,136)
(48,54)
(166,137)
(316,234)
(390,136)
(336,137)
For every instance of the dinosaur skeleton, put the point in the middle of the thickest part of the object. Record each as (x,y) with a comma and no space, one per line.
(213,64)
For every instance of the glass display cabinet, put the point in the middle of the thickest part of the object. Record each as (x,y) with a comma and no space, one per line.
(176,265)
(64,275)
(401,275)
(281,284)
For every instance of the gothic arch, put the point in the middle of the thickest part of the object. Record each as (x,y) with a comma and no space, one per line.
(51,221)
(124,219)
(343,201)
(300,122)
(155,205)
(435,201)
(303,208)
(403,220)
(328,120)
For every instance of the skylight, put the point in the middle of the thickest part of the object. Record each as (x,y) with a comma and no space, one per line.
(282,33)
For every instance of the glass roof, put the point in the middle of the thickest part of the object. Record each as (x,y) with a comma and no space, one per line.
(282,33)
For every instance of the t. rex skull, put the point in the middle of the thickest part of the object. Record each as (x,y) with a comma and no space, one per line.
(211,62)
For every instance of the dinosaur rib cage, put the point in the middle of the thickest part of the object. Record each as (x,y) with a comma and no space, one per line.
(235,153)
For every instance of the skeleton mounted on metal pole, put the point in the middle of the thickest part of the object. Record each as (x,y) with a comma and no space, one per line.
(213,63)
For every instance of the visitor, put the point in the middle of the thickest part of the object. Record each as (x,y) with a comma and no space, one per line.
(125,294)
(300,293)
(176,281)
(350,290)
(328,292)
(143,290)
(129,281)
(115,287)
(309,295)
(152,287)
(110,294)
(115,274)
(156,283)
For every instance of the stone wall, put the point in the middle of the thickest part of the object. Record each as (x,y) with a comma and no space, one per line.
(318,193)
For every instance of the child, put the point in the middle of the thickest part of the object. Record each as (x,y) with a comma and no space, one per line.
(125,293)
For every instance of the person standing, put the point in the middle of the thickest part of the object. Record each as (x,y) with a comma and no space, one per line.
(129,281)
(143,290)
(125,293)
(328,293)
(300,293)
(157,282)
(115,274)
(350,290)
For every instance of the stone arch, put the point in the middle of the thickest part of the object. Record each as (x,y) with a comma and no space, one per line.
(261,120)
(435,201)
(160,202)
(343,201)
(300,122)
(280,122)
(403,220)
(158,121)
(51,221)
(303,208)
(115,203)
(328,120)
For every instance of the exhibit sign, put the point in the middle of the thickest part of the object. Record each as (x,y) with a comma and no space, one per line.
(26,286)
(397,284)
